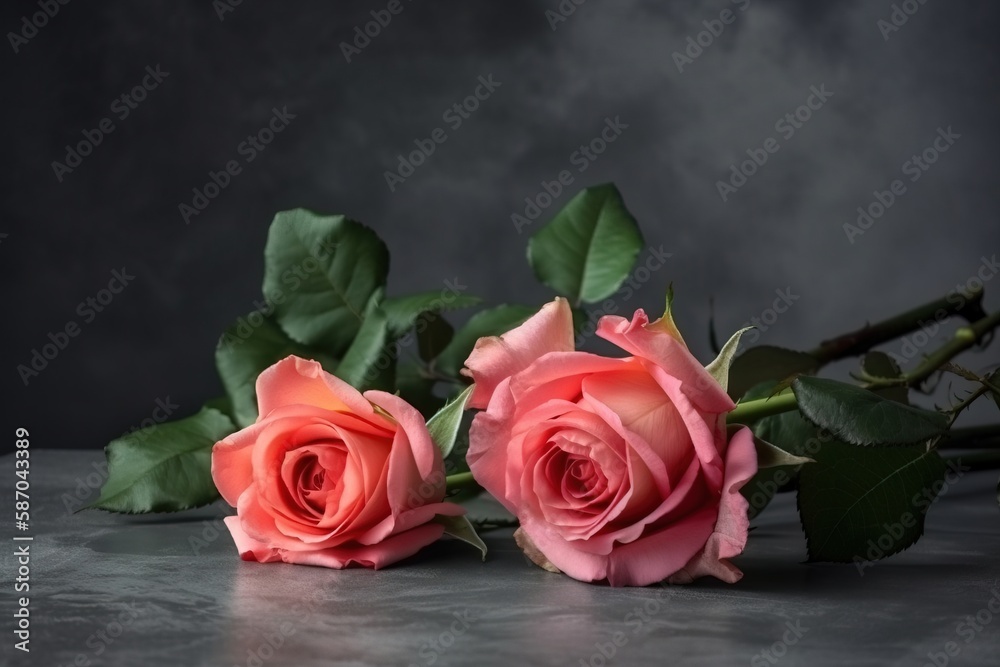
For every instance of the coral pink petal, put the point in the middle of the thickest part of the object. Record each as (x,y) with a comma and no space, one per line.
(498,357)
(666,352)
(730,534)
(645,409)
(232,467)
(419,449)
(249,548)
(578,564)
(488,455)
(654,557)
(298,381)
(375,556)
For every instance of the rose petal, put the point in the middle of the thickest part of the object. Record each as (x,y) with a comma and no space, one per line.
(645,409)
(416,469)
(489,438)
(375,556)
(496,358)
(666,352)
(523,540)
(298,381)
(730,535)
(652,558)
(232,467)
(561,554)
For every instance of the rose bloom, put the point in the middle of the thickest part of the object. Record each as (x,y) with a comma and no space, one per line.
(328,476)
(617,468)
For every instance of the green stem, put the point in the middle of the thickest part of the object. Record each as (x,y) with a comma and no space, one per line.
(459,482)
(751,411)
(482,525)
(967,304)
(961,340)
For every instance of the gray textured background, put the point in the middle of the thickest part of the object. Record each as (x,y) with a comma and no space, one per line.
(451,219)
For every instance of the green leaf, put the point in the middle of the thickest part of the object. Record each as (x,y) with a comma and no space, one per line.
(246,350)
(776,469)
(320,272)
(771,456)
(766,362)
(789,430)
(370,361)
(792,434)
(861,504)
(443,426)
(589,248)
(403,311)
(719,368)
(490,322)
(433,335)
(460,528)
(166,469)
(993,382)
(223,404)
(861,417)
(762,487)
(881,365)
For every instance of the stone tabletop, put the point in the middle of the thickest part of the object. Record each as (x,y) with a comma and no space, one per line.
(154,590)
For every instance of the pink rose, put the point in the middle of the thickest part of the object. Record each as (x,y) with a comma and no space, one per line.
(328,476)
(618,469)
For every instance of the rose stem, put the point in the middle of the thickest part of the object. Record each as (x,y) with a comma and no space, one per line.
(968,305)
(751,411)
(460,481)
(962,340)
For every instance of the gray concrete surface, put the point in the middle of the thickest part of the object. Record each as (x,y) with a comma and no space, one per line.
(170,590)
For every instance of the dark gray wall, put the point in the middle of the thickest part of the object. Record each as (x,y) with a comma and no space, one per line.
(452,218)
